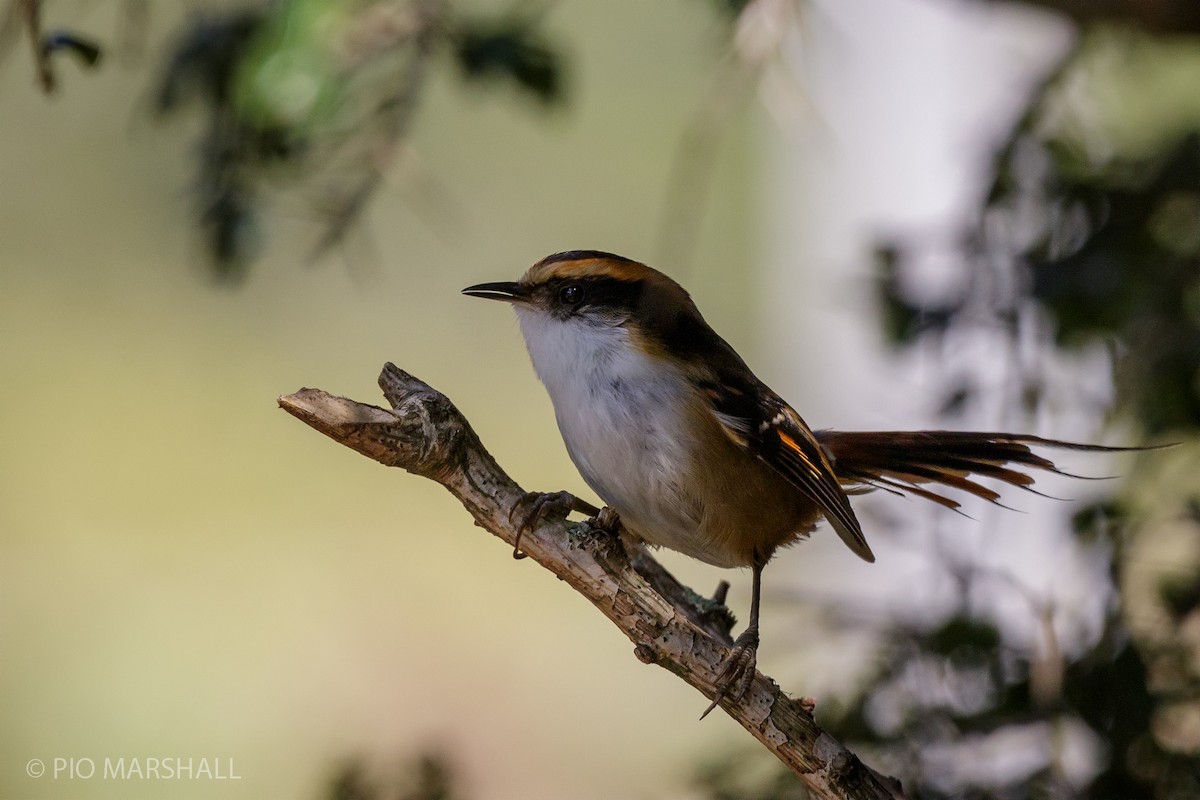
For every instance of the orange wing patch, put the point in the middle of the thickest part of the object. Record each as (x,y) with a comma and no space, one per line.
(815,478)
(791,444)
(777,436)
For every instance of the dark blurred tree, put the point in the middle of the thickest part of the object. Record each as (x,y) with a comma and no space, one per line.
(1087,241)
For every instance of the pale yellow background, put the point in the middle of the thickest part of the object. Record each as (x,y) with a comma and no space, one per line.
(187,571)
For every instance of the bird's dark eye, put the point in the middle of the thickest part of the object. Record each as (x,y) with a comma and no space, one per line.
(571,294)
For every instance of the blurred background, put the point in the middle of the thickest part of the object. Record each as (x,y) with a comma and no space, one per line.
(913,213)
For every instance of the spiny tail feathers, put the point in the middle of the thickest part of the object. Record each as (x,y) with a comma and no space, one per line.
(903,461)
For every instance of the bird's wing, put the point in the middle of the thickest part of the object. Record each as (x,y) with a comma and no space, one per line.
(756,418)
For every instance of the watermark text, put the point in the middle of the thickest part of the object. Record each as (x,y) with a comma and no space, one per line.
(134,768)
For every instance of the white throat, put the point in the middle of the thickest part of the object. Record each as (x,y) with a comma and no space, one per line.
(622,414)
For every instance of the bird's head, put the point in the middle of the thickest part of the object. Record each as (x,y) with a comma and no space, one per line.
(586,286)
(586,292)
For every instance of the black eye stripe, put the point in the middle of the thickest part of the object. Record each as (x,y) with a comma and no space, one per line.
(663,310)
(595,292)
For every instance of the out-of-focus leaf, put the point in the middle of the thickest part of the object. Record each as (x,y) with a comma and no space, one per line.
(903,320)
(288,76)
(961,634)
(511,50)
(1181,594)
(87,51)
(956,399)
(351,783)
(1097,520)
(204,59)
(730,8)
(429,776)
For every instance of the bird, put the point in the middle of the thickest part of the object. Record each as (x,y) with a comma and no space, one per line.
(692,452)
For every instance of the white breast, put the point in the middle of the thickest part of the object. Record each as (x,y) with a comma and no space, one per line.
(621,414)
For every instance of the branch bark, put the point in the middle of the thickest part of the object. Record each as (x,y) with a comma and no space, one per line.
(668,624)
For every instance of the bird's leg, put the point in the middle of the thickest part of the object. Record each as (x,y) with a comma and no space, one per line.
(737,670)
(536,506)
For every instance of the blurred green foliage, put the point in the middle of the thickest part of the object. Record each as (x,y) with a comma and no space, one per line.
(316,89)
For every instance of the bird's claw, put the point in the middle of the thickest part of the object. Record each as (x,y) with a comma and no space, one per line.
(533,507)
(737,670)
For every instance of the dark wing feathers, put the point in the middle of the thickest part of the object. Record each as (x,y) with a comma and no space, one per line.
(756,418)
(819,463)
(823,464)
(788,445)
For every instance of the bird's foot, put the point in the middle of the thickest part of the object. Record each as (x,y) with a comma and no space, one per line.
(536,506)
(737,670)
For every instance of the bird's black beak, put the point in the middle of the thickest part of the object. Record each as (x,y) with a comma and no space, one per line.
(509,291)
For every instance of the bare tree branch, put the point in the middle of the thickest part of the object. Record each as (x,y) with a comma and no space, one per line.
(669,625)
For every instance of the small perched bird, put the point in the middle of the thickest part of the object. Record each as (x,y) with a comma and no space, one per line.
(693,452)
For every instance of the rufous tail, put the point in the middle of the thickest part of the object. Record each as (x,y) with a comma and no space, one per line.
(907,461)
